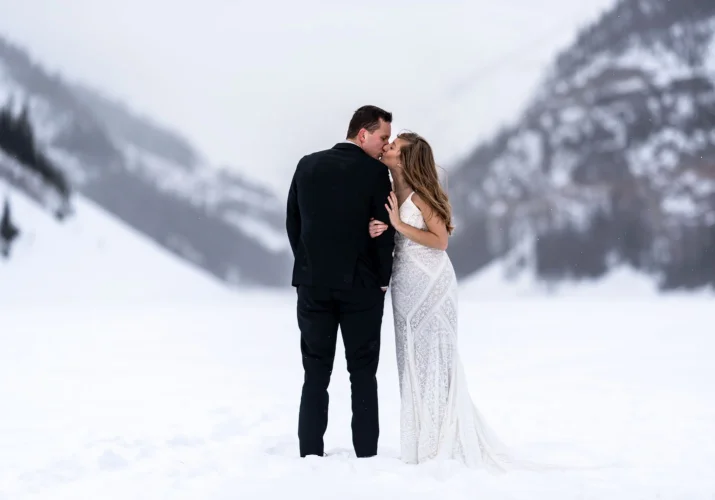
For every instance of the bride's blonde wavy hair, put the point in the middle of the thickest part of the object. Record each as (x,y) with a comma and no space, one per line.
(420,172)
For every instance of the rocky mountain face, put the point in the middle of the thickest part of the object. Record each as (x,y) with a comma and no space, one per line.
(148,176)
(612,162)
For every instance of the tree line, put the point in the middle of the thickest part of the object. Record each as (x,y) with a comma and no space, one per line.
(17,140)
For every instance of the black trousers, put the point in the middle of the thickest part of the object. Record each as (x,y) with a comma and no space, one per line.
(358,313)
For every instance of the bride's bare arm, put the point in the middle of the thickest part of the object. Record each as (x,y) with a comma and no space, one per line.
(436,235)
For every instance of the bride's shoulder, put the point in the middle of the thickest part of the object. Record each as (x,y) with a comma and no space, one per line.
(422,206)
(418,201)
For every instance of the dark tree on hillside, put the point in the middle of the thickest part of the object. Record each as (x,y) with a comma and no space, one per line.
(572,253)
(694,264)
(17,138)
(8,230)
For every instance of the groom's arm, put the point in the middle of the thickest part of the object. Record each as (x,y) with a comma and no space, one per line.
(385,243)
(293,215)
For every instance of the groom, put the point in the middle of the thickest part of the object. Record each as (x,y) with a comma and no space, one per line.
(341,274)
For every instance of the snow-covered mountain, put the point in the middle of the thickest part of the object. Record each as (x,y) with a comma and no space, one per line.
(150,177)
(612,163)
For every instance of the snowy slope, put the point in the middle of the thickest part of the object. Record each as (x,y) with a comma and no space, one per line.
(93,259)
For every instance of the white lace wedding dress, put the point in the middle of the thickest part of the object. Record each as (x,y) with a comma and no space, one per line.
(438,418)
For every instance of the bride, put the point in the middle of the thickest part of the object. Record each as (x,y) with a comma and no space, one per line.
(437,416)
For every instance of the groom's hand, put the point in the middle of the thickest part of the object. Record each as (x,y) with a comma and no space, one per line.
(383,288)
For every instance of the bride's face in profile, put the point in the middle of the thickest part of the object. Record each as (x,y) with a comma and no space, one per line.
(391,155)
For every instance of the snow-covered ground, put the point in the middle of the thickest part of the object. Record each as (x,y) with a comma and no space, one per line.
(125,374)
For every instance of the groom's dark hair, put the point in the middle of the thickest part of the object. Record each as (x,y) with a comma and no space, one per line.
(367,117)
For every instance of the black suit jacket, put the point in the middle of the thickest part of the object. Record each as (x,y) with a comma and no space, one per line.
(332,197)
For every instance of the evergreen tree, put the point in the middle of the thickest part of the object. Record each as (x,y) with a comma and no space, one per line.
(17,138)
(8,230)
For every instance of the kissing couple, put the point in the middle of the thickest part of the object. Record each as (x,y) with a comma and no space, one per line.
(354,234)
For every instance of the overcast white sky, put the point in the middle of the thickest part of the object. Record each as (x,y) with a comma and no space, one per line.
(259,84)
